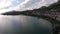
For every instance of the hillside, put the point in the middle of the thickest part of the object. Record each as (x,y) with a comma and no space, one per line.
(53,11)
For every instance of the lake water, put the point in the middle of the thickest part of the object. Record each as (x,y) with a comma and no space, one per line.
(24,25)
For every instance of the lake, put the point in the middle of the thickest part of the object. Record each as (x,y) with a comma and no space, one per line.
(21,24)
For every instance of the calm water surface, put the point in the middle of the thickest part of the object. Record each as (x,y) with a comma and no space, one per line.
(24,25)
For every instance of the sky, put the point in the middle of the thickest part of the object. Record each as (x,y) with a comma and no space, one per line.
(9,5)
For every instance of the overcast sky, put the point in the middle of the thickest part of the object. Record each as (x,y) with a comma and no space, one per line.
(7,5)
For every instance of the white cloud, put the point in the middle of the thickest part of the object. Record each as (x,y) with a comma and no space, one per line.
(35,4)
(6,5)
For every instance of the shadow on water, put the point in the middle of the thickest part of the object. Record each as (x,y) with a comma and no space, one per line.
(37,27)
(52,20)
(55,23)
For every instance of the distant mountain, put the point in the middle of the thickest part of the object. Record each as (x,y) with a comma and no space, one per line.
(43,9)
(11,13)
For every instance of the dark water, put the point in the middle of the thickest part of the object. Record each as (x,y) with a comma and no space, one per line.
(24,25)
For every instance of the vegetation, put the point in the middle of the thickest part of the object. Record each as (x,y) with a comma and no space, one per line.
(55,8)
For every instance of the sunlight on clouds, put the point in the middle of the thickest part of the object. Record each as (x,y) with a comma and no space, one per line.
(3,10)
(5,3)
(8,5)
(35,4)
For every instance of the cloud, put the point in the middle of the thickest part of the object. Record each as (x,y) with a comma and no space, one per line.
(34,4)
(8,5)
(5,3)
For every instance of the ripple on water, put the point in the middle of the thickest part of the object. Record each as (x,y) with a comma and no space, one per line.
(24,24)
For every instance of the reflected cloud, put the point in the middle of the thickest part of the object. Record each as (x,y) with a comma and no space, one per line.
(9,24)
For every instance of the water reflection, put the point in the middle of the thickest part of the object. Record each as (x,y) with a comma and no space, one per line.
(24,25)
